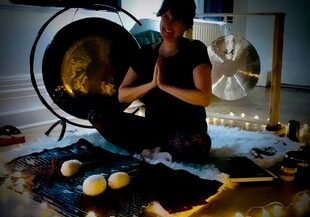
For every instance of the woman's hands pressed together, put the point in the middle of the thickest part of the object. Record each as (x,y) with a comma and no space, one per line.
(158,72)
(159,69)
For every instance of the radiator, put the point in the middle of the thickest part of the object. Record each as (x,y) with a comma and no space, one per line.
(207,32)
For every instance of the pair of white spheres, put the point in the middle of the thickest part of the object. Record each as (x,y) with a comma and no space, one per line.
(95,184)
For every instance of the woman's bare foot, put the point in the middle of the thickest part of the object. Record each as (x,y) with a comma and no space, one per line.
(155,154)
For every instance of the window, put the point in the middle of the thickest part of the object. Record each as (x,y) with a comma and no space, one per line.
(216,6)
(63,3)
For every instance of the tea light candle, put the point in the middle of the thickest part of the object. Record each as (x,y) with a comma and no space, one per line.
(238,214)
(26,197)
(254,126)
(91,214)
(305,134)
(44,207)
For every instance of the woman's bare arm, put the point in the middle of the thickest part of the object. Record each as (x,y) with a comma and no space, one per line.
(201,95)
(129,93)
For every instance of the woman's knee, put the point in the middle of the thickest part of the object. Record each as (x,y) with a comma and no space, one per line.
(190,147)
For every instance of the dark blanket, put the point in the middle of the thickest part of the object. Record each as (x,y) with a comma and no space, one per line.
(175,190)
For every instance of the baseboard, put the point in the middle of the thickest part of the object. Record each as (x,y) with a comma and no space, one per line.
(32,118)
(295,86)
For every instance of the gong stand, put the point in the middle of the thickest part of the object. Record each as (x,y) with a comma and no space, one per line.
(62,120)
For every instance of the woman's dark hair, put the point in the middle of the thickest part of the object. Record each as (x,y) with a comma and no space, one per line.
(183,10)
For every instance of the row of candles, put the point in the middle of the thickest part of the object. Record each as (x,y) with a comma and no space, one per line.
(253,123)
(299,207)
(17,182)
(249,122)
(236,123)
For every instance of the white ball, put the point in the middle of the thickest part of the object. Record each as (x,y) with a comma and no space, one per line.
(70,167)
(94,185)
(118,180)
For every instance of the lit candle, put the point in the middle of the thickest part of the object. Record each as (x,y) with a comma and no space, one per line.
(305,198)
(277,210)
(238,214)
(303,201)
(265,213)
(19,188)
(246,125)
(19,185)
(44,209)
(255,126)
(304,133)
(20,181)
(300,207)
(17,174)
(91,214)
(43,205)
(231,114)
(256,117)
(26,197)
(242,115)
(7,182)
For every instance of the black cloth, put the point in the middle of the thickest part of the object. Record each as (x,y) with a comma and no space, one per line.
(178,127)
(175,190)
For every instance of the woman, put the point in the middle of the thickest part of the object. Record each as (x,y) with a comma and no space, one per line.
(173,79)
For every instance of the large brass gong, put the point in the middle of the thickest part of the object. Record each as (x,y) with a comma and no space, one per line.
(85,64)
(235,67)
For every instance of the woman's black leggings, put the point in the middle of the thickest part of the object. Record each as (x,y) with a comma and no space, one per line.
(135,133)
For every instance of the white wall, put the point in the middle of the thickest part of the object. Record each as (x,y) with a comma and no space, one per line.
(296,46)
(141,9)
(19,24)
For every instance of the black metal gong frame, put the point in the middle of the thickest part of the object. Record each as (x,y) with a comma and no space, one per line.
(62,120)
